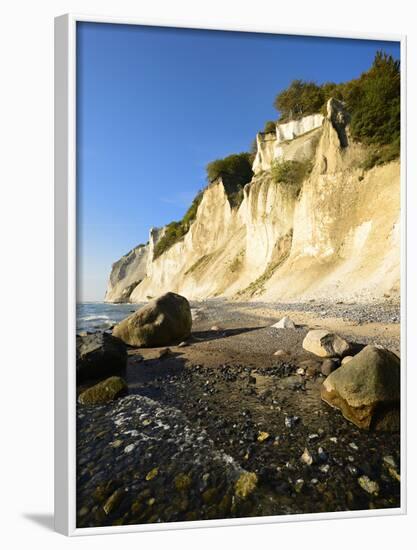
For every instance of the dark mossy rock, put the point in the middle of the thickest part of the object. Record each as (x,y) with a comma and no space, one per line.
(163,321)
(367,389)
(99,355)
(104,391)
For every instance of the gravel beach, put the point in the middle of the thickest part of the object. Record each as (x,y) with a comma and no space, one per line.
(222,427)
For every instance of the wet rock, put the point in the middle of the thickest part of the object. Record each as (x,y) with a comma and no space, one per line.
(328,366)
(322,455)
(392,468)
(104,391)
(352,469)
(210,495)
(291,421)
(262,436)
(325,344)
(113,501)
(306,457)
(285,322)
(99,355)
(298,485)
(182,482)
(163,321)
(368,485)
(367,389)
(152,474)
(388,460)
(246,484)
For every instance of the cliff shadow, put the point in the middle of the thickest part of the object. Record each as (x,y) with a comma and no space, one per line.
(148,376)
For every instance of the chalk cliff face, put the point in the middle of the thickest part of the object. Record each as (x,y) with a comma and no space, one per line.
(335,236)
(283,143)
(126,274)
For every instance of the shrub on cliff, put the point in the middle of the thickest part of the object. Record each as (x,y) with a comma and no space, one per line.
(291,172)
(175,231)
(299,99)
(235,168)
(235,171)
(270,127)
(375,104)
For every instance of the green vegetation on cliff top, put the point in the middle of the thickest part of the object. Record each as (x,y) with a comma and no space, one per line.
(373,101)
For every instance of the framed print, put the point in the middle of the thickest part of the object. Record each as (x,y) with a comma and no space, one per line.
(229,262)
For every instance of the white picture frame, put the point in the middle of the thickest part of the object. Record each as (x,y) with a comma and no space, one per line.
(65,278)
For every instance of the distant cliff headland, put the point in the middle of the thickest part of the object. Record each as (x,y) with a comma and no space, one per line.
(312,212)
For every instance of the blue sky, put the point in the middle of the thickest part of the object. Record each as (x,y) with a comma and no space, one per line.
(155,105)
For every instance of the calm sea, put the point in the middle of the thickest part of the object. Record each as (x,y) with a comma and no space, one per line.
(93,316)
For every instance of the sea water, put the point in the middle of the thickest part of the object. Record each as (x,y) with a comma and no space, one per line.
(95,316)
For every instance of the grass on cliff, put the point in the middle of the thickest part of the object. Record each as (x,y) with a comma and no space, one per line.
(291,172)
(378,155)
(175,231)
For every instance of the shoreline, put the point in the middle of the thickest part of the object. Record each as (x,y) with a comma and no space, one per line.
(222,390)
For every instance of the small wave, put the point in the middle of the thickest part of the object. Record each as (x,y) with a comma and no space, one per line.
(95,318)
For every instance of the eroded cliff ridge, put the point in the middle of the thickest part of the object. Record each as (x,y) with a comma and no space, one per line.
(334,235)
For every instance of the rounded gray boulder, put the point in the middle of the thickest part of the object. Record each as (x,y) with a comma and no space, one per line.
(162,322)
(367,389)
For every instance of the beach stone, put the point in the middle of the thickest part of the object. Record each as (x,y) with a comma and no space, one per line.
(312,367)
(367,389)
(99,355)
(262,436)
(368,485)
(328,366)
(183,344)
(346,359)
(163,321)
(325,344)
(246,484)
(182,482)
(285,322)
(104,391)
(306,457)
(113,501)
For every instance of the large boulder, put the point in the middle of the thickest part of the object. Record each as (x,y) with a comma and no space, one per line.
(104,391)
(325,344)
(367,389)
(99,355)
(162,322)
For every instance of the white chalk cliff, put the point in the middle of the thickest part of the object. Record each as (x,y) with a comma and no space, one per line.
(336,236)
